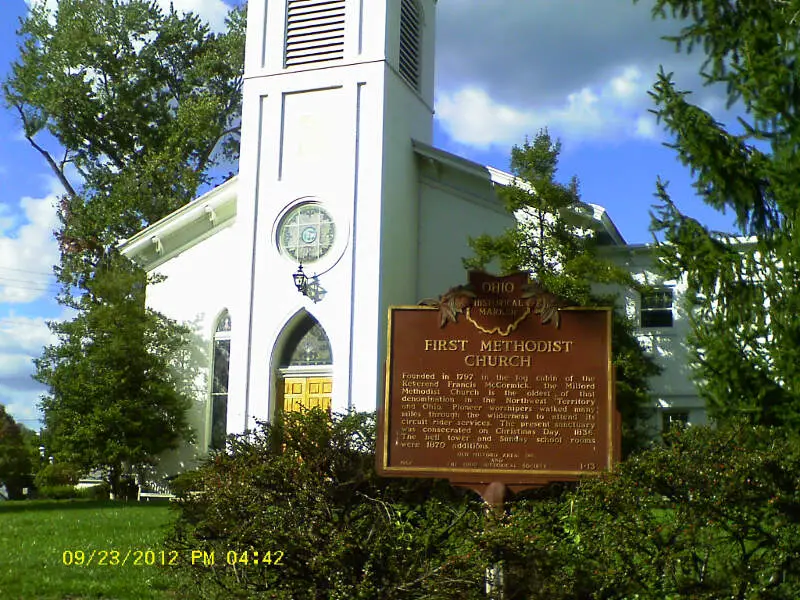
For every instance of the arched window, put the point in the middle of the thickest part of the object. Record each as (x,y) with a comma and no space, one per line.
(307,346)
(219,384)
(410,41)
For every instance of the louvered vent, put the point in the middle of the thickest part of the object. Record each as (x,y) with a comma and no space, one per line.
(410,33)
(314,31)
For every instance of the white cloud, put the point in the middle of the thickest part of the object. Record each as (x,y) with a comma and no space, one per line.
(29,253)
(22,405)
(471,117)
(21,340)
(11,365)
(615,109)
(628,86)
(7,219)
(646,127)
(212,11)
(25,335)
(543,50)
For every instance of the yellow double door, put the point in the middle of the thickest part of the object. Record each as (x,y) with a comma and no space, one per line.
(303,393)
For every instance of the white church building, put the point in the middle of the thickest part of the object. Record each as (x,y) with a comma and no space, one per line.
(338,180)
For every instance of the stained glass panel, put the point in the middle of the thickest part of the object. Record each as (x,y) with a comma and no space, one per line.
(307,345)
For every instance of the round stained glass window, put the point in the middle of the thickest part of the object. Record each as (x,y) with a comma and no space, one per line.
(306,233)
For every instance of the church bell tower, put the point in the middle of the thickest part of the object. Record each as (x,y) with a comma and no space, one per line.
(334,93)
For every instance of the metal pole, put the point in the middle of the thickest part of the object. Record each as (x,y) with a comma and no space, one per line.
(494,496)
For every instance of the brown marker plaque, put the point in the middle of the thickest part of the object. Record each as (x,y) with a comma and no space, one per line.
(495,394)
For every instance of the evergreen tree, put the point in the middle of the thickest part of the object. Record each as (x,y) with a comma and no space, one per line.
(743,288)
(550,243)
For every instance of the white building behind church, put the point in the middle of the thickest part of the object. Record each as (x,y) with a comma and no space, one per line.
(337,173)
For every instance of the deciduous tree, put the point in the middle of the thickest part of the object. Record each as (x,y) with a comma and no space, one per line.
(119,387)
(554,243)
(15,459)
(133,109)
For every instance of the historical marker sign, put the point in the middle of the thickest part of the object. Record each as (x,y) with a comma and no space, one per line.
(498,385)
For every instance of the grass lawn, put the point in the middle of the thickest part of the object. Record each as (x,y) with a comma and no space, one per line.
(37,538)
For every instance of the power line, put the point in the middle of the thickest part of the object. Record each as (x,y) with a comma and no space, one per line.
(33,281)
(27,271)
(43,287)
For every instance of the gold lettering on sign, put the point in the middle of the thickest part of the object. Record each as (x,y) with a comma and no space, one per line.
(479,403)
(445,345)
(497,287)
(490,360)
(446,412)
(526,345)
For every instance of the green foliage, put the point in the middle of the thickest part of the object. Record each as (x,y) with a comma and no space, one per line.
(142,104)
(554,242)
(713,514)
(304,488)
(131,107)
(58,492)
(119,387)
(15,459)
(186,482)
(746,335)
(58,481)
(96,492)
(59,473)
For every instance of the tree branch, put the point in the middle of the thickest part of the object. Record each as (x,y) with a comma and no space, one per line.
(59,173)
(206,156)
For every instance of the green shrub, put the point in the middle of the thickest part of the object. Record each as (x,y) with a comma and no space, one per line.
(15,456)
(57,474)
(304,489)
(96,492)
(533,543)
(713,514)
(59,492)
(188,481)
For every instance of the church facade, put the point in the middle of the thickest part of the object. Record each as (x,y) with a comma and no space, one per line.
(342,208)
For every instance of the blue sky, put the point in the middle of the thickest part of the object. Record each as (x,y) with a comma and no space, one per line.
(505,69)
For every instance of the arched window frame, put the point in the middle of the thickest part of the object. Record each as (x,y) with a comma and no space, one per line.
(303,334)
(281,369)
(220,351)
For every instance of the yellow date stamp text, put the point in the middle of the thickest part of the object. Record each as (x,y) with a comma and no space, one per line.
(169,558)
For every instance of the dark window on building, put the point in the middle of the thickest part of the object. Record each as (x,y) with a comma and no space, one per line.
(219,384)
(656,308)
(410,41)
